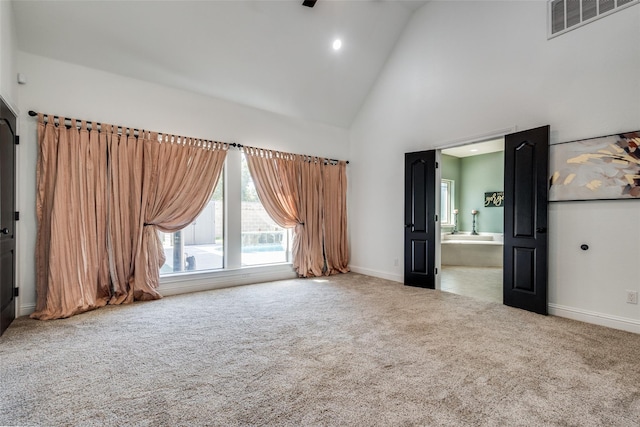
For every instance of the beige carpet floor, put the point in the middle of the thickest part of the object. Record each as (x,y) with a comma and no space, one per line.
(349,350)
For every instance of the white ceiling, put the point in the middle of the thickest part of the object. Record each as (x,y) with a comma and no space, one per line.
(271,55)
(476,149)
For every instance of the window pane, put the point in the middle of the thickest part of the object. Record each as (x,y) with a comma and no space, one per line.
(557,16)
(263,241)
(446,201)
(199,246)
(606,5)
(589,9)
(573,12)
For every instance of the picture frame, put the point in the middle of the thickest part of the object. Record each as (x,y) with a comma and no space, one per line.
(494,199)
(601,168)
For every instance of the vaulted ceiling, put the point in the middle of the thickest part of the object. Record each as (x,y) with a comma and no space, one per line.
(271,55)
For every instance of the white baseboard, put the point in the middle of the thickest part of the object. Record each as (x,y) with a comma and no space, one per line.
(26,309)
(207,281)
(615,322)
(375,273)
(182,284)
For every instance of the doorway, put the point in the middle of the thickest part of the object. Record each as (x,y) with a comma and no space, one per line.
(525,198)
(472,226)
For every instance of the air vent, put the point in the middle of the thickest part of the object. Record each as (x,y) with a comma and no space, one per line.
(567,15)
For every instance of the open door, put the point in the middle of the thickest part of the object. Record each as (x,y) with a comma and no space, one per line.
(526,165)
(7,216)
(420,219)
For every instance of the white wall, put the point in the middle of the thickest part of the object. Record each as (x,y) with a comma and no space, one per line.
(8,43)
(70,90)
(465,69)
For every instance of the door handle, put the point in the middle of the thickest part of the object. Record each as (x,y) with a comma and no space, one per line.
(4,231)
(408,225)
(541,230)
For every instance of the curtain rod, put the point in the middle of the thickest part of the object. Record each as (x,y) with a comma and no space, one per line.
(67,122)
(135,131)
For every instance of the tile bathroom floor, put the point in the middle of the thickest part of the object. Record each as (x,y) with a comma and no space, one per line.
(484,283)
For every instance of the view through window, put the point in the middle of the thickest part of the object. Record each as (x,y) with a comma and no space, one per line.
(263,241)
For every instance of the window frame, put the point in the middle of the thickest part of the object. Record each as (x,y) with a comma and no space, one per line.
(550,7)
(447,219)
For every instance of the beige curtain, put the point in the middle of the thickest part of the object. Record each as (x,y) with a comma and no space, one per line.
(124,217)
(292,189)
(310,257)
(179,177)
(277,179)
(336,246)
(71,258)
(101,198)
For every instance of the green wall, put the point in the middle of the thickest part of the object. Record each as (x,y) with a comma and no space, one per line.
(473,177)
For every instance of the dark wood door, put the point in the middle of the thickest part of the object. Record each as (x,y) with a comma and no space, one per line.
(526,164)
(420,219)
(7,216)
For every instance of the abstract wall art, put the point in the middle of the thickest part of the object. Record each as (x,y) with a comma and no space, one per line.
(601,168)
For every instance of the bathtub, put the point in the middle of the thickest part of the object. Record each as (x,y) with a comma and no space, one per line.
(481,250)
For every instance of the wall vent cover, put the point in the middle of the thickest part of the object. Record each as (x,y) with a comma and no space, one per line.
(567,15)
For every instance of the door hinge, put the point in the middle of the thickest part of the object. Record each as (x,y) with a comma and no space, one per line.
(437,165)
(16,216)
(16,292)
(436,218)
(17,139)
(436,270)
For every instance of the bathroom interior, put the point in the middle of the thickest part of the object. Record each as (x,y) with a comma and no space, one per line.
(472,223)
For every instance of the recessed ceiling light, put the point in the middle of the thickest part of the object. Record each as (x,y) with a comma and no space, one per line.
(337,44)
(473,150)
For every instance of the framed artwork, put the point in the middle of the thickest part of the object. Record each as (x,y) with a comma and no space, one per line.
(494,199)
(601,168)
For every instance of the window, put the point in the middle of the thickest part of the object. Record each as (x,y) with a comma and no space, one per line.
(233,231)
(446,202)
(263,241)
(199,246)
(565,15)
